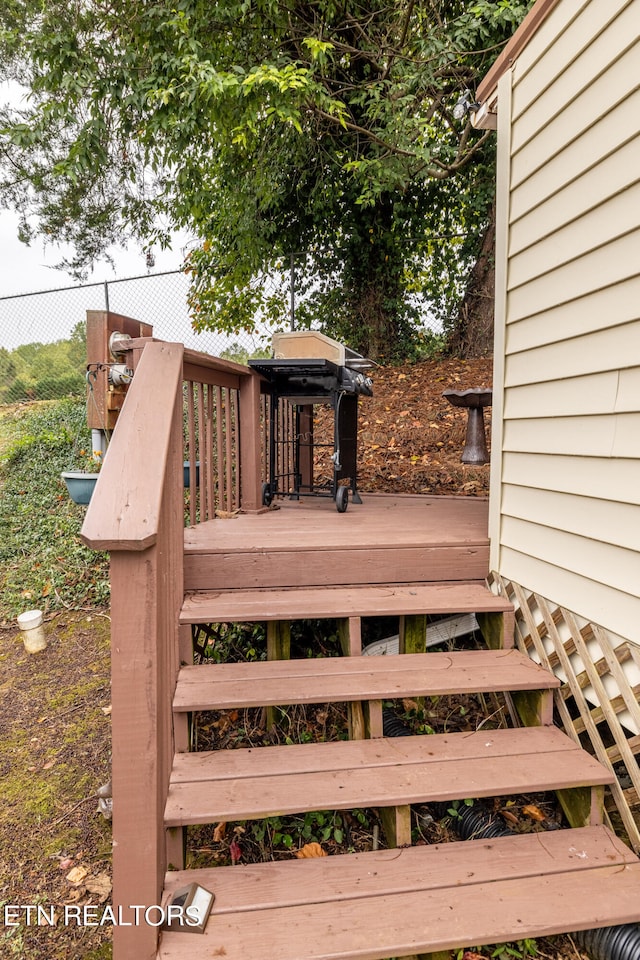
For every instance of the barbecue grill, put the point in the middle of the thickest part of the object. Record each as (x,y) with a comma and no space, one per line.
(301,382)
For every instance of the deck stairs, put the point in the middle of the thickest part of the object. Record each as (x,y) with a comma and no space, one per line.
(404,900)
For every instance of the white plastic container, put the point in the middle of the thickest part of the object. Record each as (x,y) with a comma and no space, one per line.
(31,624)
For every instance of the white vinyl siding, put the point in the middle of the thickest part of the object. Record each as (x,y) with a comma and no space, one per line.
(566,488)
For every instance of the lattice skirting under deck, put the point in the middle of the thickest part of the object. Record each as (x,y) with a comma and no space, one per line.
(597,704)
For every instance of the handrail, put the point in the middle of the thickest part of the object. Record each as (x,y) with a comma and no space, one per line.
(137,512)
(124,511)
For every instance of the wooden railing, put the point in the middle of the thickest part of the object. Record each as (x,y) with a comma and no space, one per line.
(137,513)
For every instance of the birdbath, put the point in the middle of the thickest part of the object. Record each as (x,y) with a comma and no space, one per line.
(474,401)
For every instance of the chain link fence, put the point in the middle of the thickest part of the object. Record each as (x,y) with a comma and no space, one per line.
(42,338)
(42,335)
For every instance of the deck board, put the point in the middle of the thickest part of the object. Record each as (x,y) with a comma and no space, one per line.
(273,781)
(349,679)
(300,603)
(415,900)
(387,538)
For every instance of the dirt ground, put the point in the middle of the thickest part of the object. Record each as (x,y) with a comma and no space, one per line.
(411,438)
(55,845)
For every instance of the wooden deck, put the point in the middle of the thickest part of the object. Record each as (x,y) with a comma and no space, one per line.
(248,784)
(386,539)
(395,903)
(406,556)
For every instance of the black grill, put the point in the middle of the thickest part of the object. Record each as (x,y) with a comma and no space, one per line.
(302,383)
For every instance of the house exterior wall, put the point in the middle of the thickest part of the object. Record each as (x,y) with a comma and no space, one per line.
(565,497)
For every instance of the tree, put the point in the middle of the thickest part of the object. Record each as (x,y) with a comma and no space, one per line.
(270,128)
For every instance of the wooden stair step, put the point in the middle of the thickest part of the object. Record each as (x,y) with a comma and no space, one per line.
(349,679)
(272,781)
(393,903)
(312,603)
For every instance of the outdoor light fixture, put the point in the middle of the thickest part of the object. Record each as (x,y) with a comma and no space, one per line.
(189,909)
(465,105)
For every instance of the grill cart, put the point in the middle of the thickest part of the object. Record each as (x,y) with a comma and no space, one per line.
(295,384)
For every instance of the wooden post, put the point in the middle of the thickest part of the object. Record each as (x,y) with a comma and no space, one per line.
(350,637)
(372,719)
(413,633)
(396,822)
(583,806)
(413,639)
(250,470)
(497,629)
(105,401)
(278,648)
(534,707)
(137,513)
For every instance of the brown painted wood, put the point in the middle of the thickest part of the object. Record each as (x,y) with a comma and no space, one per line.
(235,785)
(220,471)
(100,325)
(231,454)
(384,599)
(385,539)
(350,679)
(536,16)
(250,440)
(193,456)
(380,520)
(372,710)
(497,631)
(346,755)
(396,823)
(124,513)
(350,636)
(144,666)
(262,886)
(534,707)
(333,565)
(421,899)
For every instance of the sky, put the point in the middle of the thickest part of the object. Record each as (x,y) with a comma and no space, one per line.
(27,269)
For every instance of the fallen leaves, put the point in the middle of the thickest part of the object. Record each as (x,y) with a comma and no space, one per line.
(410,438)
(100,885)
(77,875)
(531,810)
(310,851)
(235,852)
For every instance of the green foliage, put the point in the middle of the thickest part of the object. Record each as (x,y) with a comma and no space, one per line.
(267,129)
(43,563)
(236,642)
(519,950)
(240,354)
(44,371)
(456,806)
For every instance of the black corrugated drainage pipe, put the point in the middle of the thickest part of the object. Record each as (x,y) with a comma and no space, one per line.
(604,943)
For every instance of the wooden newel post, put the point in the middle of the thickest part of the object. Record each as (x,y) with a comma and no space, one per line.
(106,398)
(250,478)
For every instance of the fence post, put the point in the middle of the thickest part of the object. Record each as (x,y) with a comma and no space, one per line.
(292,290)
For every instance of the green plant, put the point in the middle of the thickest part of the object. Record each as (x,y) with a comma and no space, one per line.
(316,826)
(455,808)
(88,461)
(518,950)
(42,559)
